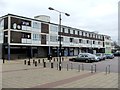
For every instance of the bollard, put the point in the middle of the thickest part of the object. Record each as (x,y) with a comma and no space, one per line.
(25,62)
(35,63)
(39,61)
(29,62)
(109,69)
(67,67)
(54,59)
(95,67)
(57,66)
(82,67)
(106,70)
(62,59)
(3,60)
(61,65)
(52,65)
(78,68)
(71,66)
(91,68)
(43,60)
(44,64)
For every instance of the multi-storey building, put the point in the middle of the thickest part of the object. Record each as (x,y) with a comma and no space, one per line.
(22,37)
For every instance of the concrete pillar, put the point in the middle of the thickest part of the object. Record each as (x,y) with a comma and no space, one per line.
(8,52)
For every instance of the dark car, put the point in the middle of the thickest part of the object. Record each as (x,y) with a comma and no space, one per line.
(109,56)
(117,53)
(87,57)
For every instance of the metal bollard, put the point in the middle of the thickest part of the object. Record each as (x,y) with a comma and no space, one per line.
(106,70)
(52,65)
(44,64)
(39,61)
(57,66)
(54,59)
(71,66)
(62,59)
(78,68)
(43,60)
(3,60)
(29,62)
(109,69)
(95,67)
(67,67)
(91,68)
(25,62)
(35,63)
(57,59)
(82,67)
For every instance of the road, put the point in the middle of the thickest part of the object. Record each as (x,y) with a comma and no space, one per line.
(100,66)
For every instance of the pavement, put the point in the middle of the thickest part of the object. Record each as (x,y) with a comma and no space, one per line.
(15,74)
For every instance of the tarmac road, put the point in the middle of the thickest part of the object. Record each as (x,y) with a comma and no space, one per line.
(100,66)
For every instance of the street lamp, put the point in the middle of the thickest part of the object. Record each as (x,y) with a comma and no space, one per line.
(60,46)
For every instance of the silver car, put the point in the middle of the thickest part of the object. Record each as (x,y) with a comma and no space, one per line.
(87,57)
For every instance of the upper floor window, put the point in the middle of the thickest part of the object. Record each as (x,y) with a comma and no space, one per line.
(53,38)
(87,41)
(80,40)
(76,32)
(71,31)
(93,42)
(63,30)
(53,28)
(66,30)
(80,32)
(71,39)
(36,25)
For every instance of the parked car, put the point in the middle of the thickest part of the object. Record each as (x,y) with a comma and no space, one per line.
(117,53)
(87,57)
(109,56)
(101,56)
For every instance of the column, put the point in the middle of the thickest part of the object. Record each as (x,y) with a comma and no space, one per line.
(8,52)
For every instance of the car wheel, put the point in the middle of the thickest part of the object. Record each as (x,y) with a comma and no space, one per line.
(74,60)
(86,61)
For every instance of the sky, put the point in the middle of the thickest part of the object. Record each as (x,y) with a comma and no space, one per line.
(91,15)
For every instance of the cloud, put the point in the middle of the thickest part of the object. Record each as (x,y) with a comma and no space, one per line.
(91,15)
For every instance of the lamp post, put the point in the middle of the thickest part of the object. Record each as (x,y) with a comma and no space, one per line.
(60,46)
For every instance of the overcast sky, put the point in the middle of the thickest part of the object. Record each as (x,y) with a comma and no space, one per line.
(90,15)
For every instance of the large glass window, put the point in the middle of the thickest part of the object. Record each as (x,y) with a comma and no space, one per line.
(36,25)
(66,30)
(80,41)
(71,39)
(76,32)
(36,37)
(53,38)
(71,31)
(53,28)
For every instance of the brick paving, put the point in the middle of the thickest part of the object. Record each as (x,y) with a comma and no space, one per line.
(17,75)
